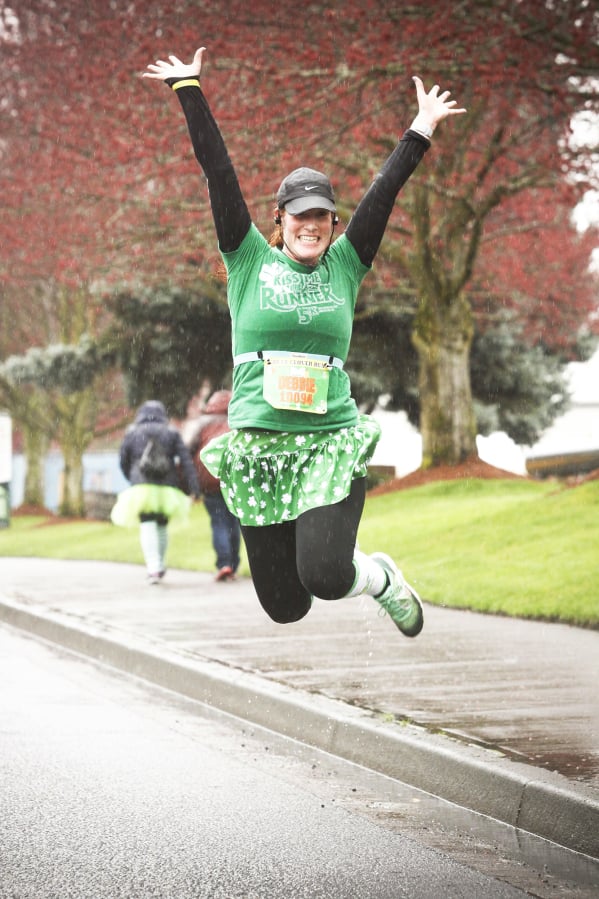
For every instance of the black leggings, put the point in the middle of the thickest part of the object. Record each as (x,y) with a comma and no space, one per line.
(312,556)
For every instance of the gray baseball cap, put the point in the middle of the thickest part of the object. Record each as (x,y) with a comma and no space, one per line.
(304,189)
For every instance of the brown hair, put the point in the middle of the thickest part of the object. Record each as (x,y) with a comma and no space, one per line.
(276,238)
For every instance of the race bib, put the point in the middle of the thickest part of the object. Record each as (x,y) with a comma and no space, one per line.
(296,382)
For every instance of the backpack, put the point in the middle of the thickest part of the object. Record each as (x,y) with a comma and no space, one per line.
(154,463)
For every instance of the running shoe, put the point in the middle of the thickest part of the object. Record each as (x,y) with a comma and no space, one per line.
(399,600)
(224,574)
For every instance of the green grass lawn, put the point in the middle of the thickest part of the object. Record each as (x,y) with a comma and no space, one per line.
(55,538)
(517,547)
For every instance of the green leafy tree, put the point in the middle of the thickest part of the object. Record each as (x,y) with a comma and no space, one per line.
(517,388)
(170,342)
(28,412)
(53,395)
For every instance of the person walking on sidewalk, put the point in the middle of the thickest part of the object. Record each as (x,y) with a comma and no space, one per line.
(293,468)
(155,460)
(226,532)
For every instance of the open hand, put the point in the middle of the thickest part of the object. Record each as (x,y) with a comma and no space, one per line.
(433,107)
(174,68)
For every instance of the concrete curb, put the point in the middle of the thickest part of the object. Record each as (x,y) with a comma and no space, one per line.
(540,802)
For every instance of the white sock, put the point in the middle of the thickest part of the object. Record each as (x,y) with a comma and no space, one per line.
(162,544)
(150,545)
(371,578)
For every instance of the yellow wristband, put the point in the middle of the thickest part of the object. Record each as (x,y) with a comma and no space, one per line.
(187,82)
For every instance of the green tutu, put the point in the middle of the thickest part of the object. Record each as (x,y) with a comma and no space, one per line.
(149,499)
(268,477)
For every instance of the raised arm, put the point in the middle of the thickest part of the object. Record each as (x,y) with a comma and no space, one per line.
(229,209)
(368,223)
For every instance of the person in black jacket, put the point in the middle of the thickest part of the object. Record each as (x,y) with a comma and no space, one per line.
(155,460)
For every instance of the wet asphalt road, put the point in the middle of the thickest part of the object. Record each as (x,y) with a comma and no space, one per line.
(525,688)
(112,788)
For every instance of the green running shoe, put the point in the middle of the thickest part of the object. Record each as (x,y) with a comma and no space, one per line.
(400,601)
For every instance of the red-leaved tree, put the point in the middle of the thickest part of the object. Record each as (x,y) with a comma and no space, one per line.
(100,188)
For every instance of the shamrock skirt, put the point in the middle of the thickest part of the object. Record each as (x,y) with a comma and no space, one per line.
(268,477)
(149,499)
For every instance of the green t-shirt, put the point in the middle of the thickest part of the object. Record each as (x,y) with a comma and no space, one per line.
(279,304)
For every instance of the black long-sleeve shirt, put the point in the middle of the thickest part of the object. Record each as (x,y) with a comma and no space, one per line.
(229,209)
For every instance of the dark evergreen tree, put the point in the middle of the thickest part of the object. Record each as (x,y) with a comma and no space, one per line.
(168,342)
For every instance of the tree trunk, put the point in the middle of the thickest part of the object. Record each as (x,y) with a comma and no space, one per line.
(442,337)
(35,445)
(76,431)
(72,488)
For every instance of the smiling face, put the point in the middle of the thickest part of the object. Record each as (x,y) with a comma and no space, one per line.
(307,235)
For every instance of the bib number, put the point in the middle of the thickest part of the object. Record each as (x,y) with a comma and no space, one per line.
(297,383)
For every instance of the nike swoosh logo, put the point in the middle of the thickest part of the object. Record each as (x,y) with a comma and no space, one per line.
(314,186)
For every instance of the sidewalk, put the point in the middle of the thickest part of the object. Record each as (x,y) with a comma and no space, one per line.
(496,714)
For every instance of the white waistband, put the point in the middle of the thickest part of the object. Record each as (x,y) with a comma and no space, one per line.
(283,354)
